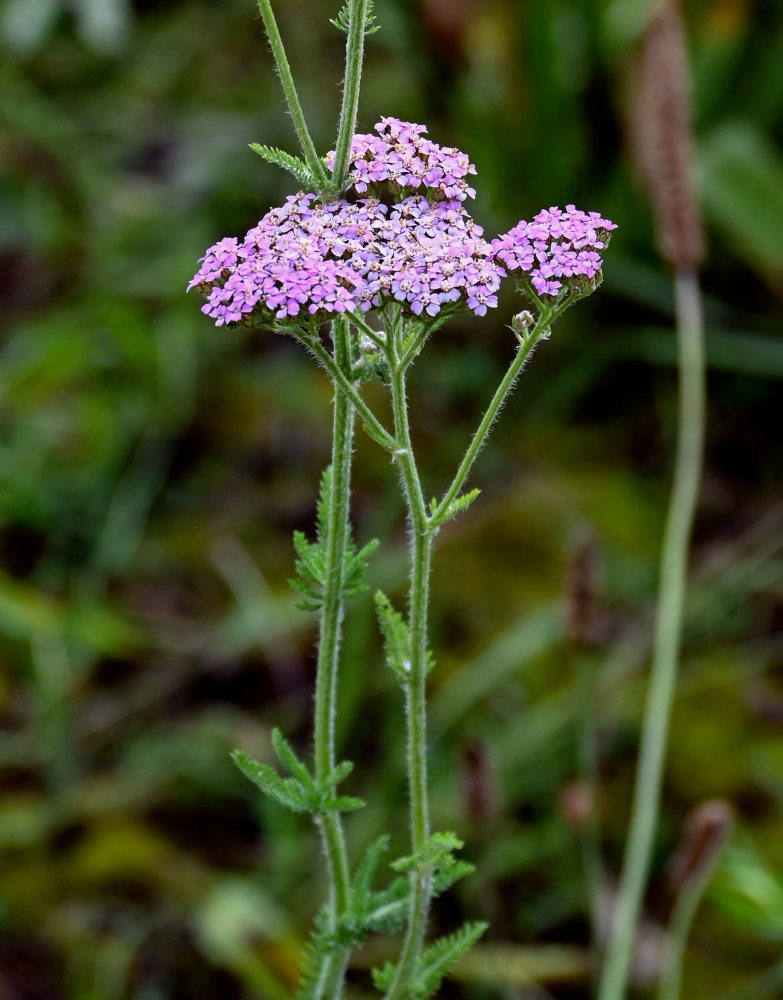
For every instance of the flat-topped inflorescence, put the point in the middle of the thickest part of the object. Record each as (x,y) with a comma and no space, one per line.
(400,160)
(307,260)
(557,248)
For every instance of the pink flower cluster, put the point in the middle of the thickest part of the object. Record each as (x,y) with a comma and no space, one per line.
(556,246)
(399,156)
(310,261)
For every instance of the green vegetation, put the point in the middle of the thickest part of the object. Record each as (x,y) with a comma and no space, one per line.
(153,468)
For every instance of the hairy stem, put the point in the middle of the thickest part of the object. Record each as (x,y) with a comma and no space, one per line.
(354,57)
(372,424)
(330,625)
(667,637)
(482,432)
(314,164)
(416,693)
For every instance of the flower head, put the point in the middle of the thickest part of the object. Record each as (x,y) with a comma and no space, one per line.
(400,158)
(558,248)
(307,259)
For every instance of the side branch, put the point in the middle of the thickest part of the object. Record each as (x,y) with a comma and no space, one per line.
(374,427)
(312,159)
(481,434)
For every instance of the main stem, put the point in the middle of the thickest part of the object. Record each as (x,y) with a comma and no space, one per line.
(329,659)
(667,637)
(354,57)
(416,689)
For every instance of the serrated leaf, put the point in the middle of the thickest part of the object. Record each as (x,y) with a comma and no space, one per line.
(311,565)
(287,757)
(356,566)
(448,872)
(280,158)
(396,637)
(458,505)
(343,803)
(289,792)
(383,977)
(365,872)
(354,921)
(437,847)
(441,957)
(319,947)
(343,19)
(338,773)
(389,909)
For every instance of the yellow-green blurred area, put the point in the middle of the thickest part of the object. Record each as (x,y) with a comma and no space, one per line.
(153,468)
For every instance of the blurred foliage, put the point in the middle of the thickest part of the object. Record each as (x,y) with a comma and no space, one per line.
(152,470)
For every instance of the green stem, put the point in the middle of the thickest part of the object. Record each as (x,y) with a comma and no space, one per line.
(590,832)
(677,936)
(416,689)
(332,972)
(667,637)
(314,164)
(354,57)
(482,432)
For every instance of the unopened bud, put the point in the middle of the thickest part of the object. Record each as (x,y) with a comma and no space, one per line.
(522,323)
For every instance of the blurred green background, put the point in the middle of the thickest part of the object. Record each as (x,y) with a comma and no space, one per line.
(152,469)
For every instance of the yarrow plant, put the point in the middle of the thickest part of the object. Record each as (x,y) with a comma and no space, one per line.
(379,245)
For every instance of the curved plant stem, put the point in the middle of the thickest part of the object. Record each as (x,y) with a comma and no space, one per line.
(329,659)
(354,57)
(312,159)
(482,431)
(679,928)
(372,425)
(416,704)
(667,637)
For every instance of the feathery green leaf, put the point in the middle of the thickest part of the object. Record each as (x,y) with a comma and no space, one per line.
(436,848)
(287,757)
(383,977)
(292,164)
(441,957)
(289,792)
(396,636)
(311,565)
(456,506)
(343,19)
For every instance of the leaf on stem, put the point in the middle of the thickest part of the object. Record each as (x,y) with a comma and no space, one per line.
(293,164)
(396,639)
(437,848)
(301,792)
(434,964)
(456,506)
(288,792)
(356,566)
(319,947)
(343,19)
(311,566)
(441,957)
(448,872)
(389,909)
(383,911)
